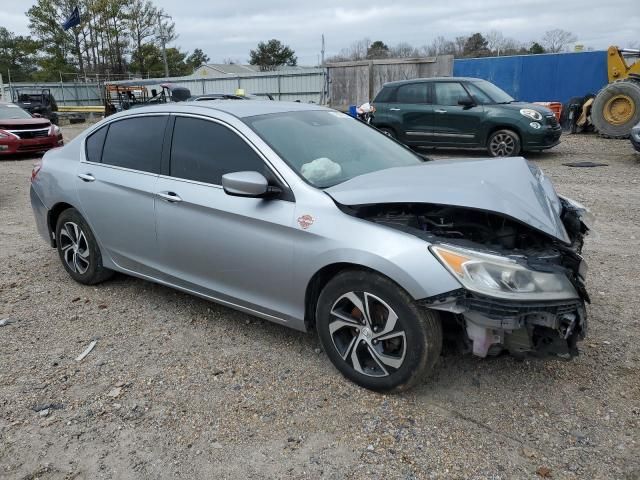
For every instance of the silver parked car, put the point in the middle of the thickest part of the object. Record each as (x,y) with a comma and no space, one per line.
(307,217)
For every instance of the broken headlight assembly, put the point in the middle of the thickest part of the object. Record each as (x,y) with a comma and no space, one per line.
(502,277)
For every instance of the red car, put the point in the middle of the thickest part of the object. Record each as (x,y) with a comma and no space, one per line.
(22,133)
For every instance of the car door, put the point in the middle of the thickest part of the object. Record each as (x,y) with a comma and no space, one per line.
(455,124)
(117,184)
(414,112)
(235,249)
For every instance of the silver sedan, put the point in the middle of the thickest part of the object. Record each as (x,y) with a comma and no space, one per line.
(309,218)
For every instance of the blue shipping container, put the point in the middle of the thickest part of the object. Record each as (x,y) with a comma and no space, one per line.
(552,77)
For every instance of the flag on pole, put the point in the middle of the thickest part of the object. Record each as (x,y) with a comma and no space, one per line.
(73,20)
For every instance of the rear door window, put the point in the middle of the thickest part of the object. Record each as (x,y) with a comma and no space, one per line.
(412,93)
(204,151)
(448,93)
(135,143)
(94,144)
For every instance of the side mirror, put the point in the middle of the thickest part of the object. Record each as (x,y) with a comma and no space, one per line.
(36,115)
(247,184)
(466,102)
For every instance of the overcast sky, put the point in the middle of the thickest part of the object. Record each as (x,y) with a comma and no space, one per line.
(231,29)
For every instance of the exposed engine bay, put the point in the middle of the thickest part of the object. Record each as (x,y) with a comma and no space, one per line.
(493,325)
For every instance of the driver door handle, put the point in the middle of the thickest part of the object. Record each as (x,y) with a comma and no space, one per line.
(170,197)
(440,110)
(394,109)
(87,177)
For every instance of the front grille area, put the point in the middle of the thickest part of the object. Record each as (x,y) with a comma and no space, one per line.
(496,308)
(551,120)
(26,134)
(34,148)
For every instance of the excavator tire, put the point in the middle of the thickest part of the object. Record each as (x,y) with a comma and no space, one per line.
(616,108)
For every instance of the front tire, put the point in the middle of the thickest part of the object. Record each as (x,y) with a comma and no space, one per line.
(78,249)
(503,143)
(375,334)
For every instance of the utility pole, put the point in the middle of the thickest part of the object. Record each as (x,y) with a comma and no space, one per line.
(163,40)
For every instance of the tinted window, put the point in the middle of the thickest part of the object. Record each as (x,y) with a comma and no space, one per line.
(204,151)
(412,93)
(135,143)
(94,144)
(449,93)
(478,95)
(384,95)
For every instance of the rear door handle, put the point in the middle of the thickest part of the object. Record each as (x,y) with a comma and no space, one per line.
(170,197)
(439,110)
(86,177)
(394,109)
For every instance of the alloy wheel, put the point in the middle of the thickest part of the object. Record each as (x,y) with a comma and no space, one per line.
(502,145)
(367,335)
(74,247)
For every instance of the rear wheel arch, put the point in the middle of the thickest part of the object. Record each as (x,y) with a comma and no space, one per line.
(52,220)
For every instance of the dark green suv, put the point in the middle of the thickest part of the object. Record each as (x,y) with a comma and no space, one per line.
(463,112)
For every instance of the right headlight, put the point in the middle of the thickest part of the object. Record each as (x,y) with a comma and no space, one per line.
(498,276)
(531,113)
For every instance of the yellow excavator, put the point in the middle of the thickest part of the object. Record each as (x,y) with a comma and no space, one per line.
(616,108)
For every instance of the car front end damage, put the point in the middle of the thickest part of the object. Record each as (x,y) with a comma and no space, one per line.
(521,291)
(501,230)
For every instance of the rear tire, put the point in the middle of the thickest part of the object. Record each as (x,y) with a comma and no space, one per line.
(78,249)
(375,334)
(616,109)
(504,143)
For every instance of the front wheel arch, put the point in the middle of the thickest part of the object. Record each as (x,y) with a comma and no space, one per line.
(321,278)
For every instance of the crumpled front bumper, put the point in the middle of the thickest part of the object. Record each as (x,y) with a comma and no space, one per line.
(494,325)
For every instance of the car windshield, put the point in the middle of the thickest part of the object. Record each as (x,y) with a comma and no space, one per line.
(328,147)
(494,94)
(11,112)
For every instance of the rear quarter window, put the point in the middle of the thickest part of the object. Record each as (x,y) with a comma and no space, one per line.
(94,144)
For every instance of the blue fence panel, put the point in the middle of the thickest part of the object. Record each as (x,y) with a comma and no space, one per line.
(544,78)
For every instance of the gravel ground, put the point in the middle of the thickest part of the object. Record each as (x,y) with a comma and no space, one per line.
(177,387)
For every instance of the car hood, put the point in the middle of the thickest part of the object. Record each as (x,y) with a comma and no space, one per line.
(517,106)
(509,186)
(24,122)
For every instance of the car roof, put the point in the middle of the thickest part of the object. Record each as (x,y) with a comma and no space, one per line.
(232,107)
(432,79)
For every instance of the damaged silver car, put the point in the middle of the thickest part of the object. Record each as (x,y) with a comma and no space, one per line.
(306,217)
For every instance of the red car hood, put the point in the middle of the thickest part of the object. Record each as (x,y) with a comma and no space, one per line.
(23,123)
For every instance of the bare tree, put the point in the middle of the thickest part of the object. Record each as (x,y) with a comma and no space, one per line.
(557,40)
(403,50)
(495,41)
(439,46)
(354,52)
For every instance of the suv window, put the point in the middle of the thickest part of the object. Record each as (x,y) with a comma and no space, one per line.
(203,151)
(448,93)
(384,95)
(478,95)
(412,93)
(94,143)
(135,143)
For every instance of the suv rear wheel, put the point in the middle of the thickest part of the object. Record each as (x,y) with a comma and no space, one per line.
(374,333)
(503,143)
